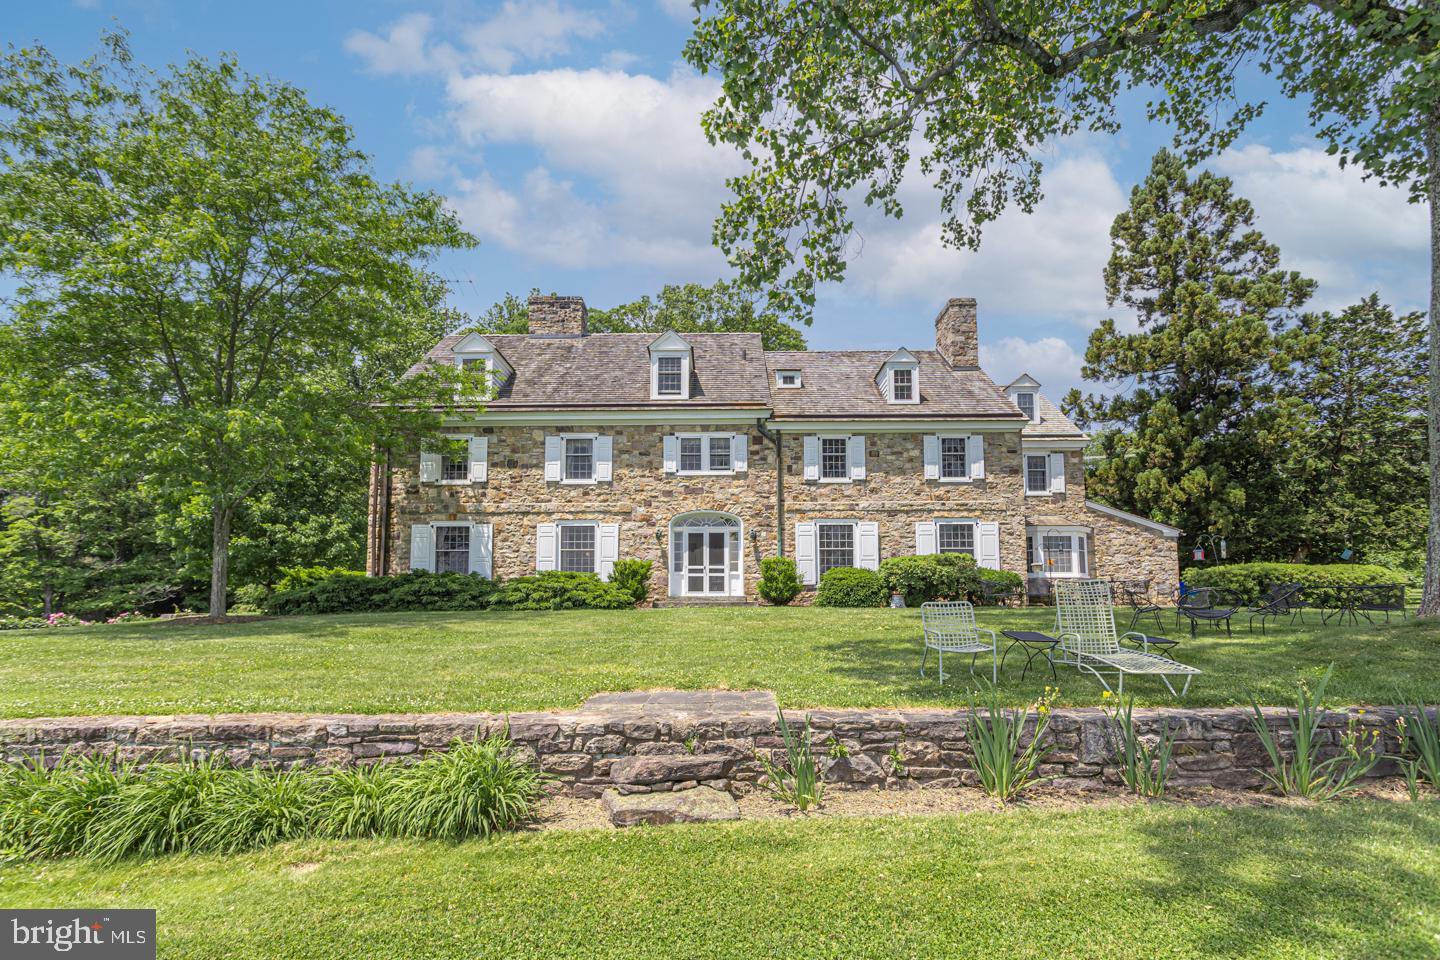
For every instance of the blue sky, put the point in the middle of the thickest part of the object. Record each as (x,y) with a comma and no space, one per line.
(566,135)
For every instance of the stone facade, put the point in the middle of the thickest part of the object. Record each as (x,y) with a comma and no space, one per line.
(558,316)
(635,747)
(957,334)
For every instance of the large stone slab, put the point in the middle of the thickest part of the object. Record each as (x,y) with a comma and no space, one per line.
(666,768)
(696,805)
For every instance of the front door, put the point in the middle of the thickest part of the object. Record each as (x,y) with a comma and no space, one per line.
(706,562)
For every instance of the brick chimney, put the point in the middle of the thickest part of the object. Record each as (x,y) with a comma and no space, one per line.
(956,336)
(558,316)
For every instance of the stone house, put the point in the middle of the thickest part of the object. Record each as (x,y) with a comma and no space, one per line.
(705,453)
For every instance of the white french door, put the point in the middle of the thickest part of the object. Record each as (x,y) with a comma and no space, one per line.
(707,563)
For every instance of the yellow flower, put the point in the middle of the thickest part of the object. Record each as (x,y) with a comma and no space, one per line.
(1106,695)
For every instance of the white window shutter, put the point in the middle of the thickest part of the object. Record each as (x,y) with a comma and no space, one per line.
(868,555)
(925,538)
(482,549)
(609,549)
(805,552)
(429,467)
(677,561)
(975,455)
(422,547)
(931,447)
(989,537)
(812,458)
(856,449)
(544,547)
(479,459)
(604,449)
(670,451)
(740,452)
(1057,473)
(554,453)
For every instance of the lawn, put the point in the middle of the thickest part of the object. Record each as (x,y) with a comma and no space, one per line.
(1346,880)
(416,662)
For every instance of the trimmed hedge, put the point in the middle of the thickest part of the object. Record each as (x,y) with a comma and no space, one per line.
(779,580)
(851,587)
(346,593)
(1248,581)
(557,590)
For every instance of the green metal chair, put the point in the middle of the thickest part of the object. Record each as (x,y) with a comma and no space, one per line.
(949,627)
(1085,627)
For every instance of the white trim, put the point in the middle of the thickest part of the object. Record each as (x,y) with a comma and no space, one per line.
(1170,532)
(1025,473)
(940,439)
(1043,445)
(684,357)
(734,579)
(850,460)
(604,418)
(820,425)
(971,522)
(705,469)
(594,478)
(799,379)
(1041,532)
(560,526)
(470,453)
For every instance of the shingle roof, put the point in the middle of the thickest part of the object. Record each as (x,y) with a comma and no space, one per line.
(1052,422)
(613,370)
(840,384)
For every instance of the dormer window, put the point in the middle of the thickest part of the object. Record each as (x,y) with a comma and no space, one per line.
(902,382)
(670,366)
(1026,403)
(475,354)
(787,379)
(899,376)
(1024,394)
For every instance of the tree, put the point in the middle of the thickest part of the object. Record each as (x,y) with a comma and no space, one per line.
(206,262)
(1358,466)
(721,307)
(836,102)
(1195,427)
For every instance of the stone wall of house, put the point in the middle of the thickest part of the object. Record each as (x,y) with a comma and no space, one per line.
(643,499)
(636,750)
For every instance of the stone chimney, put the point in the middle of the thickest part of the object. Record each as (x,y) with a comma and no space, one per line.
(956,336)
(559,316)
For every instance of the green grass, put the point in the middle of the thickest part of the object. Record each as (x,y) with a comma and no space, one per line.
(412,662)
(1346,880)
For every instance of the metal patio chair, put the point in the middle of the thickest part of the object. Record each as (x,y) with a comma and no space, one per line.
(1211,605)
(949,627)
(1278,601)
(1085,627)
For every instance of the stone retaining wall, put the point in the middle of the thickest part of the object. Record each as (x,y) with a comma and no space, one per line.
(649,747)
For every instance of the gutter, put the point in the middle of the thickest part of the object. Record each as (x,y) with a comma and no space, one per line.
(774,437)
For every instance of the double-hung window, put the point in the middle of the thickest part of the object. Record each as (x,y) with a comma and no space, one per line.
(719,451)
(952,459)
(579,458)
(692,454)
(668,374)
(1037,473)
(834,458)
(704,453)
(577,547)
(452,549)
(455,461)
(1026,403)
(902,384)
(955,538)
(836,543)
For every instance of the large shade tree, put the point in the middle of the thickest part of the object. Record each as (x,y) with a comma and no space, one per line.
(835,102)
(204,262)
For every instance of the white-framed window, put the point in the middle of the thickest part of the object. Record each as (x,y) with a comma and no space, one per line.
(668,376)
(835,545)
(452,548)
(1026,402)
(788,379)
(706,453)
(579,462)
(955,537)
(1037,473)
(953,463)
(577,547)
(455,460)
(902,384)
(1058,552)
(717,453)
(834,458)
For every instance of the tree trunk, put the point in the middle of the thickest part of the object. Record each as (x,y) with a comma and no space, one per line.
(221,515)
(49,593)
(1430,599)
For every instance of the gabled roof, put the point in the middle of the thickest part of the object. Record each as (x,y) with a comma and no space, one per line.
(840,384)
(612,371)
(1050,423)
(669,341)
(474,343)
(1024,382)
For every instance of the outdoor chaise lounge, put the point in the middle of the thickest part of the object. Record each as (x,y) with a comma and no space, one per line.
(949,627)
(1085,627)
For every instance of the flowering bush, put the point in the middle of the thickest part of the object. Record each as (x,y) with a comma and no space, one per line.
(33,623)
(127,617)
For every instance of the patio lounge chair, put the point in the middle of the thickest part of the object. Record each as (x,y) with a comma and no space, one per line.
(949,627)
(1085,627)
(1279,601)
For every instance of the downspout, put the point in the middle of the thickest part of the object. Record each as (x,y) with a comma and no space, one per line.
(384,564)
(774,437)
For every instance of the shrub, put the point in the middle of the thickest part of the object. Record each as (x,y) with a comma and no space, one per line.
(475,789)
(34,623)
(155,813)
(1248,581)
(302,578)
(406,591)
(798,782)
(247,809)
(633,576)
(1005,579)
(557,590)
(779,580)
(851,587)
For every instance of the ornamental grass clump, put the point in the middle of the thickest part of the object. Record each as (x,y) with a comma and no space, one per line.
(1303,773)
(1419,746)
(474,789)
(798,782)
(350,804)
(158,812)
(1005,767)
(1144,767)
(48,811)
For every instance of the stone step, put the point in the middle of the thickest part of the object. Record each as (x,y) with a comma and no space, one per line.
(702,602)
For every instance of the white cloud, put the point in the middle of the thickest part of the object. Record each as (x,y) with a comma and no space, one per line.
(1050,360)
(517,32)
(682,10)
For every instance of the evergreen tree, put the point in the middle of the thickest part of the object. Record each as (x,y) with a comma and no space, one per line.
(1191,432)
